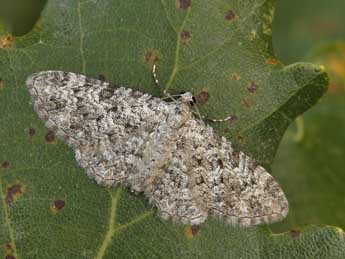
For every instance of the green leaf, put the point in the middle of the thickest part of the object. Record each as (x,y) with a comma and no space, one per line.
(219,50)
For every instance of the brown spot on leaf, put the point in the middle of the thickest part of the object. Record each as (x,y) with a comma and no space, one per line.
(272,61)
(185,36)
(191,231)
(101,77)
(13,192)
(10,257)
(50,137)
(9,251)
(2,84)
(248,101)
(252,87)
(151,57)
(295,233)
(195,229)
(148,56)
(6,164)
(226,130)
(57,205)
(203,97)
(230,15)
(32,132)
(184,4)
(6,41)
(235,76)
(240,138)
(8,248)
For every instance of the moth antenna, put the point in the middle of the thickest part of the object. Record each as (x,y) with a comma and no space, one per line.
(230,117)
(165,93)
(172,97)
(154,74)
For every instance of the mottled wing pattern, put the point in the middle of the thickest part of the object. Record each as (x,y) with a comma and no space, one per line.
(204,175)
(105,126)
(156,147)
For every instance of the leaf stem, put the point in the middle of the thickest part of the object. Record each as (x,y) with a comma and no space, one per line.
(299,135)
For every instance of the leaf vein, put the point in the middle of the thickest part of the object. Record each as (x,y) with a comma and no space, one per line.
(177,51)
(112,222)
(81,42)
(7,217)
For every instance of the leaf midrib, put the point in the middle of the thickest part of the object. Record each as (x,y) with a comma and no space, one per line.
(114,228)
(7,216)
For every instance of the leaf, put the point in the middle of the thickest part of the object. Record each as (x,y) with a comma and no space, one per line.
(49,208)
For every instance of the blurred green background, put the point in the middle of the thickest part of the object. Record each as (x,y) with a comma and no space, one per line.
(19,16)
(301,25)
(310,164)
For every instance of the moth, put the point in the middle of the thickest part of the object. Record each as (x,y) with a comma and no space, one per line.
(156,147)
